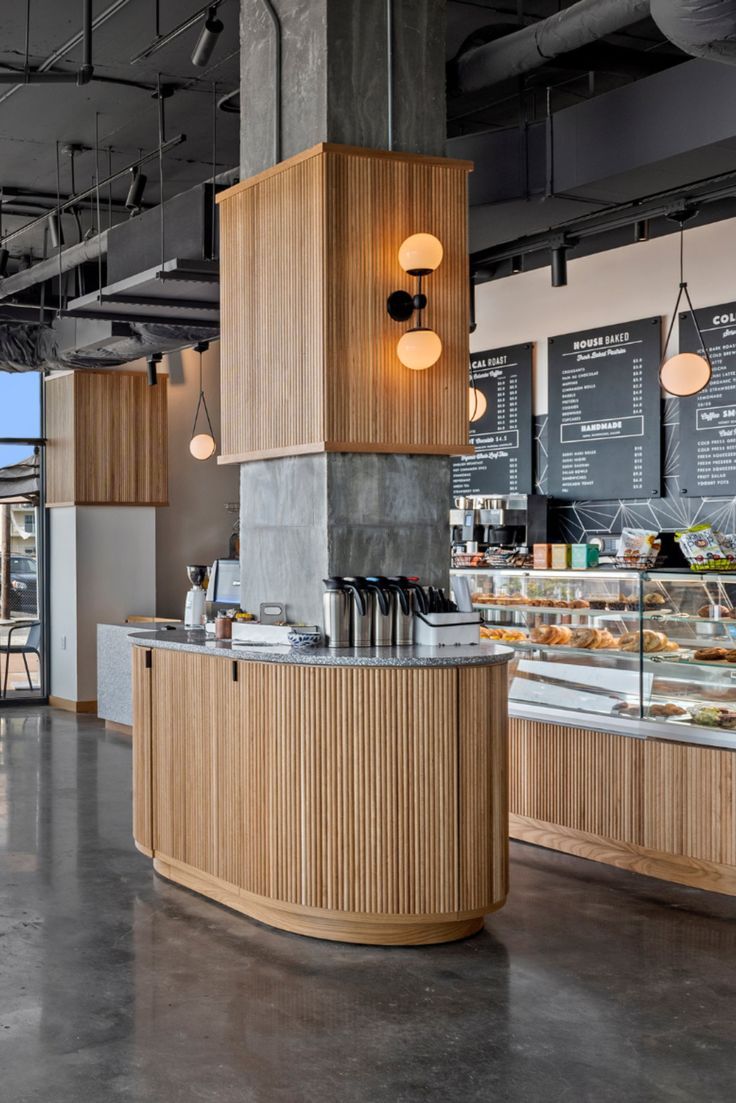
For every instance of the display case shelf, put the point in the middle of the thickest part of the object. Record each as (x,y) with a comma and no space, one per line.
(556,681)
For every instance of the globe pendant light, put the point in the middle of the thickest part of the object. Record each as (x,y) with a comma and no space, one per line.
(687,373)
(202,445)
(477,404)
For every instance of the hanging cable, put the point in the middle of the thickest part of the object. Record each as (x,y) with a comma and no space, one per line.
(202,445)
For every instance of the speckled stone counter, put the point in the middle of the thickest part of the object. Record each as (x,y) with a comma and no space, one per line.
(354,795)
(197,642)
(114,673)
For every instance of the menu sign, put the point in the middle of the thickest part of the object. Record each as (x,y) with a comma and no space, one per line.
(500,425)
(708,419)
(604,412)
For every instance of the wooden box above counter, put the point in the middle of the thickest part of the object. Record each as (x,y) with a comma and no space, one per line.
(107,439)
(309,255)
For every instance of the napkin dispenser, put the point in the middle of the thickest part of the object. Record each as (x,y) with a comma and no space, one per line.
(446,629)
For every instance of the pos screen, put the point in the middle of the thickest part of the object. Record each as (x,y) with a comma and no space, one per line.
(224,584)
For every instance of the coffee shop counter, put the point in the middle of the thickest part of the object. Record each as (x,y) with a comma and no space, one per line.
(354,795)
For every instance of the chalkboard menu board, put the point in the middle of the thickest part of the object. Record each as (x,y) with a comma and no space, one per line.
(500,425)
(604,412)
(708,419)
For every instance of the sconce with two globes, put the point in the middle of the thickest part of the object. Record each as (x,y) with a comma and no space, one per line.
(420,347)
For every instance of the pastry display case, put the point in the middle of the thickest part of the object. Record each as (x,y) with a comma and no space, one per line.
(650,653)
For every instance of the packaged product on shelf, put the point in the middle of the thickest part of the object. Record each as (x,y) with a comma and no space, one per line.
(542,554)
(705,548)
(638,547)
(560,556)
(583,556)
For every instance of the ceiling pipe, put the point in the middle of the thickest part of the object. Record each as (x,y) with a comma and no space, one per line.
(703,28)
(531,47)
(48,269)
(60,53)
(83,75)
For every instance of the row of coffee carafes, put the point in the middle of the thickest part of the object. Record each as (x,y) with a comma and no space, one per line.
(377,610)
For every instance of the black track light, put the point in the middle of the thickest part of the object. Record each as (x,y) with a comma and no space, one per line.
(641,230)
(4,258)
(134,198)
(517,265)
(154,359)
(559,266)
(56,232)
(207,40)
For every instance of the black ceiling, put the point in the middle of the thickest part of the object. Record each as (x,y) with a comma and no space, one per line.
(33,119)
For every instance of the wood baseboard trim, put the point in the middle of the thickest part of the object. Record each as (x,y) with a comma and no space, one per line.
(114,726)
(361,929)
(72,706)
(678,868)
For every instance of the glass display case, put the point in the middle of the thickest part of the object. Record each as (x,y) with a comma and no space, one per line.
(643,653)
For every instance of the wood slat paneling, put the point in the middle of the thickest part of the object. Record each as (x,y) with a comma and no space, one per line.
(142,777)
(60,437)
(589,781)
(690,801)
(309,256)
(660,808)
(484,805)
(332,791)
(108,440)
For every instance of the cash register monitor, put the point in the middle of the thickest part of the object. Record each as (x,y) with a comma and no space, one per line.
(224,584)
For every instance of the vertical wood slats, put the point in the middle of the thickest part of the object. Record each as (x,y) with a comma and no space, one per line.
(107,439)
(351,789)
(142,778)
(484,823)
(675,798)
(690,801)
(309,256)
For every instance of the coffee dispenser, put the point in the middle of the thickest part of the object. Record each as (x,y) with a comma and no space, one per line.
(501,521)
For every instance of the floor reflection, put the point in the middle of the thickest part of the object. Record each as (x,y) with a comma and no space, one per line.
(591,984)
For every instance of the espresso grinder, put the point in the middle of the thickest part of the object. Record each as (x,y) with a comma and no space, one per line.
(194,608)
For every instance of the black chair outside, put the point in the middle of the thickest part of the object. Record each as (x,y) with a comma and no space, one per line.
(32,646)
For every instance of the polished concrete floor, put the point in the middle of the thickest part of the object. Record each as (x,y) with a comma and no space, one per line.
(114,985)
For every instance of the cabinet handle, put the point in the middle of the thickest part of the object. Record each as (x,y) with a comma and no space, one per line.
(234,667)
(149,659)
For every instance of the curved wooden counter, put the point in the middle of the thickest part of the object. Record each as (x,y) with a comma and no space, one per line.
(362,803)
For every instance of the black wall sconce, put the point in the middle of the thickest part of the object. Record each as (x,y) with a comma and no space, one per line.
(419,348)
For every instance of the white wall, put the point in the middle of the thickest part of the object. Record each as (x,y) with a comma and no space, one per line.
(102,568)
(620,285)
(116,576)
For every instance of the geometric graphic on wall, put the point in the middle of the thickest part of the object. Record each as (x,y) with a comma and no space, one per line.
(574,522)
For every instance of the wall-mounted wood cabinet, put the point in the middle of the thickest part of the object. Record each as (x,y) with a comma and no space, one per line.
(309,255)
(107,439)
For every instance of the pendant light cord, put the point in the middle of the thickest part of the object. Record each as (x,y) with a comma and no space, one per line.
(683,290)
(202,401)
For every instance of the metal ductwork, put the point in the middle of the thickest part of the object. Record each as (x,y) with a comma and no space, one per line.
(703,28)
(515,54)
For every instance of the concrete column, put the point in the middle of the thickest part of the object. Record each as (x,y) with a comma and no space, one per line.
(335,77)
(306,517)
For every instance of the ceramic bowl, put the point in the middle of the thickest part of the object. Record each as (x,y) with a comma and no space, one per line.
(304,637)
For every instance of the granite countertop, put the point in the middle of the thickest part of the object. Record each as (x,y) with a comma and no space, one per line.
(181,639)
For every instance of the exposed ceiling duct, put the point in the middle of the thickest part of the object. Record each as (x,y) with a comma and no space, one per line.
(703,28)
(531,47)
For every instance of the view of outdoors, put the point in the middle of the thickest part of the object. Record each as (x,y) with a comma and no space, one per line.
(20,632)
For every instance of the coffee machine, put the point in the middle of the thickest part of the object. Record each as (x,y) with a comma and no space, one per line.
(501,521)
(194,608)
